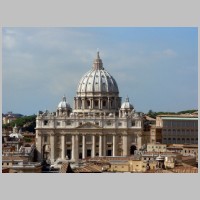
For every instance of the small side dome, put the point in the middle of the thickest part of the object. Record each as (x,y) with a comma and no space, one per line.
(63,104)
(127,105)
(71,114)
(110,114)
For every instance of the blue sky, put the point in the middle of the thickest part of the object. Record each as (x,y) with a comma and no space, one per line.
(156,67)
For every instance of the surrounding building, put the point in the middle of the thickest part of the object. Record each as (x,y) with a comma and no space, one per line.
(156,147)
(9,117)
(18,156)
(98,125)
(155,134)
(175,129)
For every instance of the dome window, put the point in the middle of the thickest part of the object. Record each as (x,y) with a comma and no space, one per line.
(109,123)
(88,103)
(96,103)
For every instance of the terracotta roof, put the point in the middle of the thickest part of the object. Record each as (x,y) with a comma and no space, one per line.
(14,158)
(89,168)
(183,169)
(66,168)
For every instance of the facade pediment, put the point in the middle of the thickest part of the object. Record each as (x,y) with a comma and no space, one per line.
(89,125)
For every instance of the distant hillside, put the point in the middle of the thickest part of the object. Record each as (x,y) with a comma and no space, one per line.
(26,123)
(154,114)
(12,114)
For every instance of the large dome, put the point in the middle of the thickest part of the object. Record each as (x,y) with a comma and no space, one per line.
(97,80)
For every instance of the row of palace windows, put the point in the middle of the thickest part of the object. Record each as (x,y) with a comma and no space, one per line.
(180,130)
(180,123)
(183,139)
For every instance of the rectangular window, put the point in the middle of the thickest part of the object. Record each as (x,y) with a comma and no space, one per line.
(68,138)
(45,122)
(68,123)
(45,138)
(58,123)
(109,138)
(109,123)
(88,138)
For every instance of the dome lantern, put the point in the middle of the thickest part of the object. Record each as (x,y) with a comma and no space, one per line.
(98,64)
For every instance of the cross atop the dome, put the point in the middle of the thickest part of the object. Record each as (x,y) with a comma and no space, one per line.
(64,98)
(127,99)
(98,57)
(97,64)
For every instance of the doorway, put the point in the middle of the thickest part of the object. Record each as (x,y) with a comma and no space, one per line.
(132,149)
(89,151)
(109,152)
(69,153)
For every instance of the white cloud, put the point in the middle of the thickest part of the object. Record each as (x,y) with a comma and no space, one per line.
(169,52)
(166,53)
(9,42)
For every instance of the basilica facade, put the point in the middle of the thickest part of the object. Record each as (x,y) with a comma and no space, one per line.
(98,125)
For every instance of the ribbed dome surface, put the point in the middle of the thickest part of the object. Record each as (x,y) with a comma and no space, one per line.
(97,80)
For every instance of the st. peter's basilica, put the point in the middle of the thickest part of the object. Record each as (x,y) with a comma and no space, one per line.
(98,125)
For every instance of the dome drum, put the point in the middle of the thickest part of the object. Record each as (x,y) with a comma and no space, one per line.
(97,103)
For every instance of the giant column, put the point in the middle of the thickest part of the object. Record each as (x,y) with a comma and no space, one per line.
(124,145)
(83,146)
(104,145)
(73,148)
(114,145)
(76,148)
(93,146)
(52,144)
(39,146)
(63,144)
(100,145)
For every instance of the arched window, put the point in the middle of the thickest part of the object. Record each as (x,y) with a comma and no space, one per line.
(96,103)
(88,103)
(132,149)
